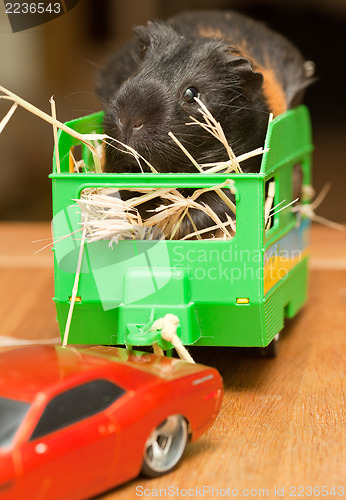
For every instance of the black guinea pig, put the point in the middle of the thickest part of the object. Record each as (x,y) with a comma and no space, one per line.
(241,70)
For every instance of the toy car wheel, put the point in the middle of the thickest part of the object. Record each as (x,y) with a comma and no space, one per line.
(165,446)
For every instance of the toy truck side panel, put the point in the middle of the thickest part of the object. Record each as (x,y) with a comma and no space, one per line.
(286,243)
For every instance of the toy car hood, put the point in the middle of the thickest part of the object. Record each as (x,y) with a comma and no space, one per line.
(28,370)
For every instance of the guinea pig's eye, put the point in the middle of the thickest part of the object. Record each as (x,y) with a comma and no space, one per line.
(144,48)
(190,94)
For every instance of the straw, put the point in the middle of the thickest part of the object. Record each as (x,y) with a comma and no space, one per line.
(74,289)
(269,203)
(106,218)
(308,209)
(53,121)
(55,135)
(185,151)
(212,126)
(110,218)
(7,117)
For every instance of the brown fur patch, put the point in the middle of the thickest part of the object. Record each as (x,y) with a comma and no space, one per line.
(209,32)
(272,89)
(273,92)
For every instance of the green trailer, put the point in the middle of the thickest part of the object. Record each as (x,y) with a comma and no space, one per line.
(234,292)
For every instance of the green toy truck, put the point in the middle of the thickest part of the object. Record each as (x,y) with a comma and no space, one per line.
(231,292)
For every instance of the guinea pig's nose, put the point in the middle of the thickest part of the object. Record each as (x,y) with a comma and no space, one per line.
(137,126)
(129,123)
(139,114)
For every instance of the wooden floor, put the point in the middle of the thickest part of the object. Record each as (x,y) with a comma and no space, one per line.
(281,425)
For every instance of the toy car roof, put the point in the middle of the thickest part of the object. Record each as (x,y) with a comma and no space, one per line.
(26,371)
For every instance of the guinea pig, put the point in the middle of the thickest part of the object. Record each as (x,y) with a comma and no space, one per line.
(241,70)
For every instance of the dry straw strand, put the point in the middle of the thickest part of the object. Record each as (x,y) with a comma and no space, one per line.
(75,288)
(44,116)
(109,217)
(308,209)
(7,117)
(185,151)
(269,203)
(128,149)
(214,128)
(55,134)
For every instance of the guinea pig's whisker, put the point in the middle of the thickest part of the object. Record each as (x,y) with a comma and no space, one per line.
(129,150)
(246,107)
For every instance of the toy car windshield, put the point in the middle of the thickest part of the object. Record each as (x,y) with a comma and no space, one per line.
(12,413)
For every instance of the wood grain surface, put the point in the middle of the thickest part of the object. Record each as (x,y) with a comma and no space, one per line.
(281,429)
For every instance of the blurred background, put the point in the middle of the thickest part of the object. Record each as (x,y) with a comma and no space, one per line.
(63,57)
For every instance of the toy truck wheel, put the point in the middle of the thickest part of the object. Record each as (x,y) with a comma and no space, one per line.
(165,446)
(272,349)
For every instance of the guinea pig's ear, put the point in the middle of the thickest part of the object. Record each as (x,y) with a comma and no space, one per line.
(143,36)
(250,81)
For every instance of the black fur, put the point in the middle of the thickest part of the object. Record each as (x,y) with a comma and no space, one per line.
(143,85)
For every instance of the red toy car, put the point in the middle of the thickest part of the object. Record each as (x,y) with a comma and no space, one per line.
(75,422)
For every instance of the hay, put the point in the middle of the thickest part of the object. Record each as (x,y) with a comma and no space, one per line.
(74,289)
(212,126)
(55,134)
(268,204)
(209,124)
(54,122)
(308,209)
(111,220)
(108,217)
(7,117)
